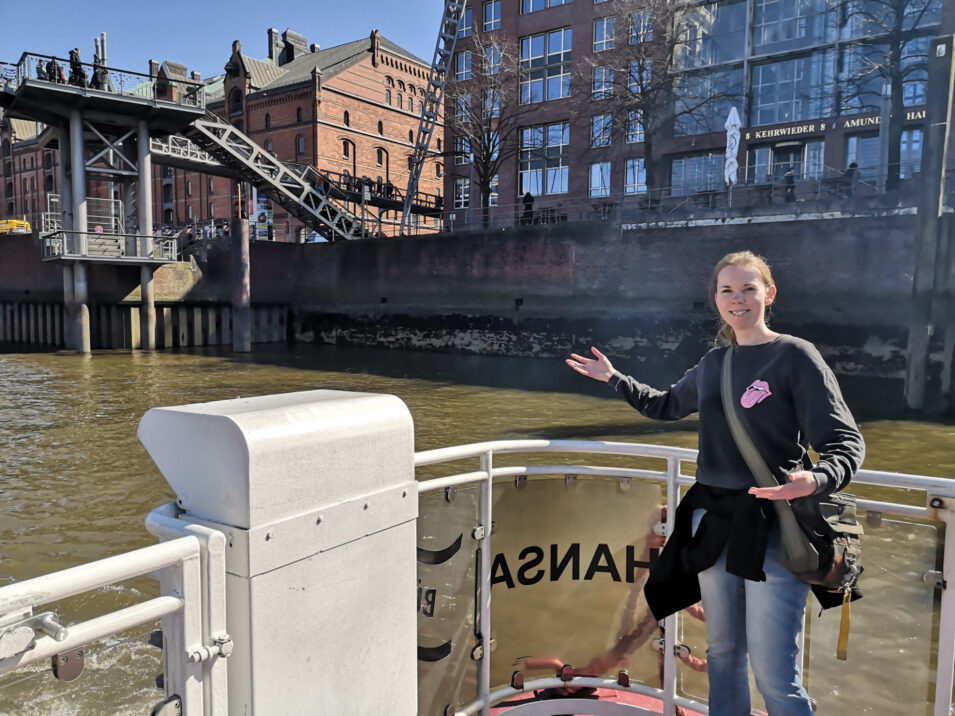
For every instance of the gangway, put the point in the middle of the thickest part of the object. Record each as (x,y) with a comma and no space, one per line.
(440,64)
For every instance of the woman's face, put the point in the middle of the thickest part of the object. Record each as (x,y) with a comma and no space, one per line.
(742,297)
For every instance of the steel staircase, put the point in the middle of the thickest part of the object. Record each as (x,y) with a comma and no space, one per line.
(440,65)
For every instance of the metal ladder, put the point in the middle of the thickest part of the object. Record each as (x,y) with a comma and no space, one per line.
(292,189)
(440,65)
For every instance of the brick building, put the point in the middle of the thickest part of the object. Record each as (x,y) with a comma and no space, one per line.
(352,109)
(801,76)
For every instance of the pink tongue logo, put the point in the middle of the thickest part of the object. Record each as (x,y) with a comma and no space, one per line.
(755,394)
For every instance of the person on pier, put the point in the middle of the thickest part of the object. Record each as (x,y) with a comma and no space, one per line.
(726,544)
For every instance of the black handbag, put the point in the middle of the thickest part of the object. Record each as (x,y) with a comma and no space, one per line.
(819,535)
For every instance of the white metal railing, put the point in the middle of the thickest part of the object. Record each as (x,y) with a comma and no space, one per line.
(107,245)
(939,506)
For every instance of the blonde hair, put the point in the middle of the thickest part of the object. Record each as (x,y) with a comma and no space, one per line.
(725,335)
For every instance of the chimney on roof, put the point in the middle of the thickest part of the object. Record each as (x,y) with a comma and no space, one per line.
(275,46)
(195,76)
(314,47)
(295,46)
(153,68)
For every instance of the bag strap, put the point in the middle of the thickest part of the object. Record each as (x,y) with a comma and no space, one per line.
(799,555)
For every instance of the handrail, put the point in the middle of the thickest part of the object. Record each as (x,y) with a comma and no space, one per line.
(937,492)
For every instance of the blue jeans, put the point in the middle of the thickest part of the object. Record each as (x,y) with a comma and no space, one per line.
(762,618)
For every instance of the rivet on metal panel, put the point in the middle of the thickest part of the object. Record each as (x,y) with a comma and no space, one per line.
(68,665)
(170,707)
(404,493)
(520,482)
(873,518)
(365,506)
(937,503)
(318,520)
(268,536)
(625,484)
(449,493)
(570,480)
(231,539)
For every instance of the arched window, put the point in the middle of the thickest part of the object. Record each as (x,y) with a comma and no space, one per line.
(212,186)
(390,82)
(347,119)
(439,170)
(410,163)
(400,100)
(268,120)
(298,115)
(439,144)
(401,85)
(411,104)
(300,144)
(412,89)
(381,127)
(388,96)
(420,106)
(235,101)
(411,136)
(380,156)
(346,149)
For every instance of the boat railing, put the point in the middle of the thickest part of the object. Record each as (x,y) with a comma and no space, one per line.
(929,499)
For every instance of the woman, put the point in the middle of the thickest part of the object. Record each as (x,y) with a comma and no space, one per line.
(725,547)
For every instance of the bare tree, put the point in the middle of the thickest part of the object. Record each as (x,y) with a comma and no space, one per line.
(484,111)
(892,47)
(648,72)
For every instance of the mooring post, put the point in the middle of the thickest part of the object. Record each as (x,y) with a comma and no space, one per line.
(241,287)
(315,494)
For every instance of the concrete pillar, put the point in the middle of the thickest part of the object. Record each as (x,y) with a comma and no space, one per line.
(78,171)
(57,326)
(212,336)
(100,327)
(225,321)
(69,306)
(133,319)
(81,311)
(65,178)
(47,324)
(316,493)
(241,288)
(144,193)
(148,311)
(197,333)
(167,334)
(33,322)
(182,332)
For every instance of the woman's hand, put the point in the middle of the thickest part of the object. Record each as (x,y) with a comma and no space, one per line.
(801,484)
(598,369)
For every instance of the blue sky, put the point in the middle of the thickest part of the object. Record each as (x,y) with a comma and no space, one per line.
(199,34)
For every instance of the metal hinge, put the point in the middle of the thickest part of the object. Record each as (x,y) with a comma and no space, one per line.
(19,631)
(934,579)
(222,647)
(478,532)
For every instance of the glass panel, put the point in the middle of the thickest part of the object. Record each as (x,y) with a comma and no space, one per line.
(892,626)
(568,588)
(446,573)
(710,34)
(792,24)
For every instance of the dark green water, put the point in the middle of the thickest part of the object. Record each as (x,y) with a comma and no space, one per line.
(76,485)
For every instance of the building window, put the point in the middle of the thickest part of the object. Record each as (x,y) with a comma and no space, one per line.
(601,128)
(420,106)
(781,25)
(492,103)
(544,159)
(401,85)
(535,5)
(862,75)
(492,60)
(212,210)
(788,91)
(268,120)
(603,34)
(439,144)
(635,181)
(235,102)
(696,172)
(298,115)
(401,100)
(466,24)
(189,212)
(346,119)
(704,99)
(48,183)
(300,144)
(411,104)
(379,157)
(268,146)
(634,127)
(411,136)
(712,33)
(462,193)
(381,128)
(493,198)
(603,83)
(545,66)
(439,170)
(600,179)
(189,188)
(641,26)
(462,65)
(388,97)
(641,75)
(462,150)
(492,15)
(462,107)
(410,162)
(212,186)
(346,149)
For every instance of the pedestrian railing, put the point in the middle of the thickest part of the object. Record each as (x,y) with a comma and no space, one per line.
(61,244)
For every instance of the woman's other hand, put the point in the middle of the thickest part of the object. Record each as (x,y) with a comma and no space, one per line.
(598,368)
(801,484)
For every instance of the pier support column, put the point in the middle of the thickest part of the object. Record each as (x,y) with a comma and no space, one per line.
(69,307)
(316,493)
(81,311)
(241,288)
(78,184)
(144,210)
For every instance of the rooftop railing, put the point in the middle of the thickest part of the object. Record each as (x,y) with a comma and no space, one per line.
(101,78)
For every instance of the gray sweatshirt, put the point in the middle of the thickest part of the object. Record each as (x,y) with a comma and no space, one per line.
(789,400)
